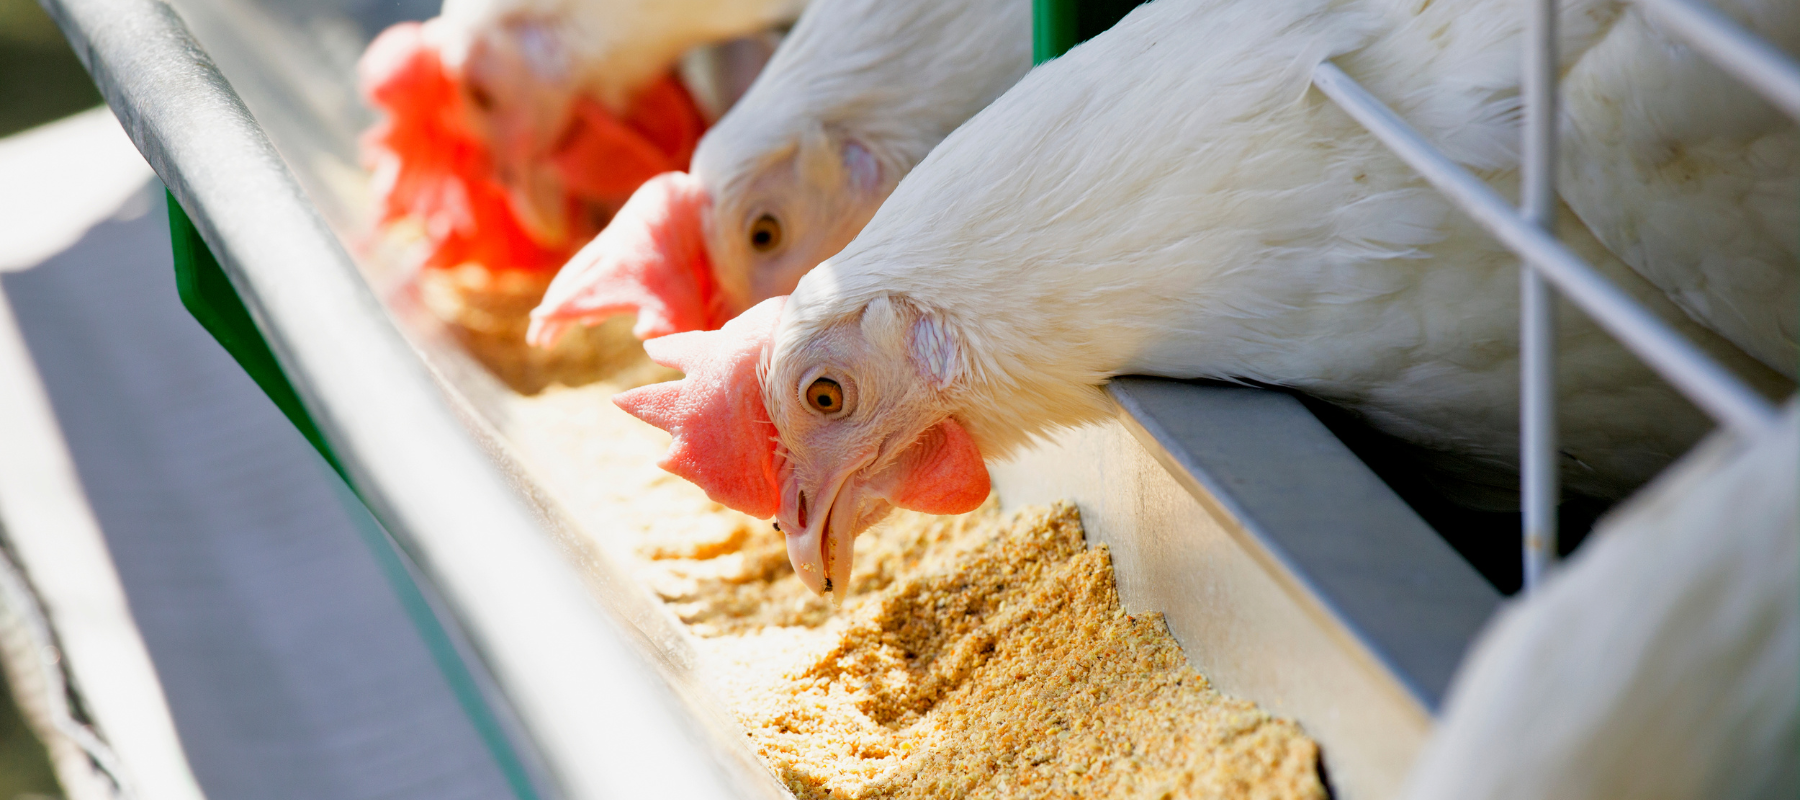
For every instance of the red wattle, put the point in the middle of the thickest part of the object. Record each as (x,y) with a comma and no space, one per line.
(942,472)
(429,168)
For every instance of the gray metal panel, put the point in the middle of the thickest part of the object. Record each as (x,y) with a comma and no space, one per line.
(605,718)
(1321,519)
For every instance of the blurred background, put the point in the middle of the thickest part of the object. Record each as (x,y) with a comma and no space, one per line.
(40,80)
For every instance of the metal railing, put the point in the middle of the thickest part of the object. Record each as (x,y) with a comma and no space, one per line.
(1548,266)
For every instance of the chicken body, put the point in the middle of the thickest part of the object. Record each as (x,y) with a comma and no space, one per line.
(1659,663)
(1172,199)
(852,101)
(518,127)
(1681,170)
(1690,177)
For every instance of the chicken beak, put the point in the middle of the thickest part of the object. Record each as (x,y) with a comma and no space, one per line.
(821,533)
(536,194)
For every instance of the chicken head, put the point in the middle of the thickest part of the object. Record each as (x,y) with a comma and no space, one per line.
(566,160)
(502,127)
(755,228)
(827,434)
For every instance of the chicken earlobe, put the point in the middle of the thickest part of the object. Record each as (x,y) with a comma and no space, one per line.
(942,472)
(650,261)
(724,442)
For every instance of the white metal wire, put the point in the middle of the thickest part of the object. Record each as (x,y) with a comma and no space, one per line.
(1747,57)
(1539,481)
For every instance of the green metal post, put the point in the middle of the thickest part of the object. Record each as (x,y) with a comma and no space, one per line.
(1052,29)
(1057,25)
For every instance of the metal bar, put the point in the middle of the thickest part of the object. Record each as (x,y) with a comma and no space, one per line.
(1539,483)
(1053,28)
(1690,371)
(1772,73)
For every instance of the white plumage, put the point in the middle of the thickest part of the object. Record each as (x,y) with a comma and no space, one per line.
(852,101)
(1172,198)
(893,78)
(1690,177)
(608,48)
(1663,662)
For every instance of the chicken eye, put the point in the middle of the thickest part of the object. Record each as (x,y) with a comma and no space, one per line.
(483,99)
(765,234)
(825,396)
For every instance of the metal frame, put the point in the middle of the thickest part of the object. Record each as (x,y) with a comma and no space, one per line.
(1548,266)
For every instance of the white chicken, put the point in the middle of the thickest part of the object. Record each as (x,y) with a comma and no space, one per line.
(1695,181)
(1169,199)
(854,98)
(516,126)
(1661,663)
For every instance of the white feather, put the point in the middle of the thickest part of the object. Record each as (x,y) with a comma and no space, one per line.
(1692,178)
(617,46)
(855,97)
(1662,663)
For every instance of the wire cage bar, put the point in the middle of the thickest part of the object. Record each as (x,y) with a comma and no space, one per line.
(1725,43)
(1539,480)
(1548,266)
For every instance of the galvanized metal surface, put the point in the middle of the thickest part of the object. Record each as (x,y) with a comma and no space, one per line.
(1290,574)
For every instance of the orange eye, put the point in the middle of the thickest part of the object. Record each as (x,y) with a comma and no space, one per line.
(765,234)
(825,396)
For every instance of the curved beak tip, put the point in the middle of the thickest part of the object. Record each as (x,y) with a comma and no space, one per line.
(809,566)
(544,332)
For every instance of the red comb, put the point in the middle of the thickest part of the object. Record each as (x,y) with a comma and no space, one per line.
(429,168)
(724,441)
(402,71)
(651,260)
